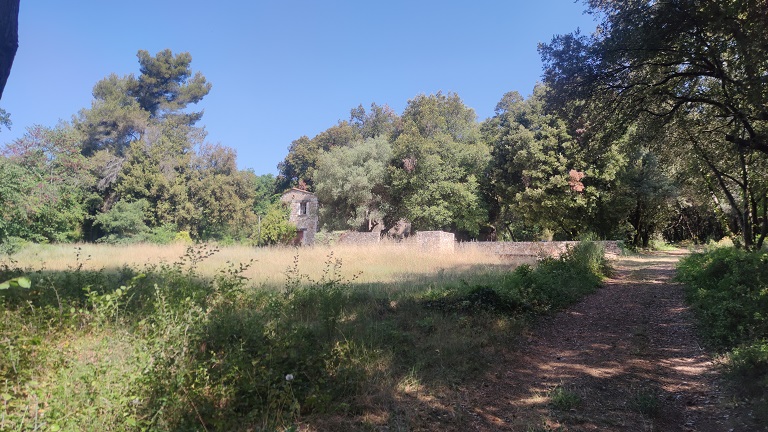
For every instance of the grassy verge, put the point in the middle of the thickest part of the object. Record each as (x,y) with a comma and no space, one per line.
(728,289)
(174,347)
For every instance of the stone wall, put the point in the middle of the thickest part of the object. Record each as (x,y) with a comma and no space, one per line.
(440,241)
(537,249)
(437,241)
(352,237)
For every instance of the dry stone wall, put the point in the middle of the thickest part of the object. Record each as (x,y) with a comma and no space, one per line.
(440,241)
(360,238)
(537,249)
(437,241)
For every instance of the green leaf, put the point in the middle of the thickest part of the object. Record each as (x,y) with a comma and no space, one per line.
(21,281)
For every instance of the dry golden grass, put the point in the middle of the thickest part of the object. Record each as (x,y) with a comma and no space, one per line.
(382,263)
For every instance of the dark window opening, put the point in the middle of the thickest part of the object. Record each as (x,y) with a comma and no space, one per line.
(303,208)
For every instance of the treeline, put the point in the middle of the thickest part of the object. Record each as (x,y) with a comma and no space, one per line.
(685,82)
(527,173)
(652,127)
(134,167)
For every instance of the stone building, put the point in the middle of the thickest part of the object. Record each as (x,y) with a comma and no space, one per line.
(303,207)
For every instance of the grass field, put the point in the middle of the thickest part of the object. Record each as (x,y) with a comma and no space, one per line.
(382,263)
(167,338)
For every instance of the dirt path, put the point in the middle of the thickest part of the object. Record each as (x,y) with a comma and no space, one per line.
(624,359)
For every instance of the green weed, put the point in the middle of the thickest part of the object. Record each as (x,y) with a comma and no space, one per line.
(646,402)
(563,399)
(543,428)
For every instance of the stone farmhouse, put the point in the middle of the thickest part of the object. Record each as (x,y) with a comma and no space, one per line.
(303,214)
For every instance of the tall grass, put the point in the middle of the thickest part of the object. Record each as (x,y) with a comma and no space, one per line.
(205,343)
(382,263)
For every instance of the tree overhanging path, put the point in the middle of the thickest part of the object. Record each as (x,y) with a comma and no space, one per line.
(630,354)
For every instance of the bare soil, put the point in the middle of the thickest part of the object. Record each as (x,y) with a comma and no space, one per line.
(624,359)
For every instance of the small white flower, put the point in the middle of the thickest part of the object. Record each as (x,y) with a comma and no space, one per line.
(289,377)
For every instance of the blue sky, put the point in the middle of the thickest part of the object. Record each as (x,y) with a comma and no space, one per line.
(283,69)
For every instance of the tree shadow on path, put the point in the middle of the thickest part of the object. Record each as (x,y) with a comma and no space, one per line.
(624,359)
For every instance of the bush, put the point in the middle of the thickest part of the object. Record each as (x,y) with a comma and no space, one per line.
(328,238)
(556,283)
(12,245)
(233,357)
(183,237)
(728,290)
(553,284)
(123,221)
(749,364)
(274,227)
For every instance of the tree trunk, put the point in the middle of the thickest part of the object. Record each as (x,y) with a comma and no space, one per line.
(746,194)
(636,220)
(646,237)
(762,222)
(9,38)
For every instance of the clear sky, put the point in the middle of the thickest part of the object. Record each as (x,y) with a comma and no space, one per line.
(283,69)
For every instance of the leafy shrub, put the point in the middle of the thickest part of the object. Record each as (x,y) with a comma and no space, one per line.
(166,234)
(328,238)
(232,356)
(563,399)
(274,227)
(728,290)
(658,244)
(12,245)
(123,221)
(554,283)
(749,364)
(646,401)
(163,234)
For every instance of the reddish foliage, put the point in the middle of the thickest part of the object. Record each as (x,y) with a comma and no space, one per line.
(574,180)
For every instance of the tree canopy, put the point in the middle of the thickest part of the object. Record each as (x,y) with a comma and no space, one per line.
(663,58)
(655,124)
(133,165)
(438,157)
(350,184)
(696,68)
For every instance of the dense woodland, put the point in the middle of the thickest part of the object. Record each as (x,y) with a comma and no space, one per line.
(650,127)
